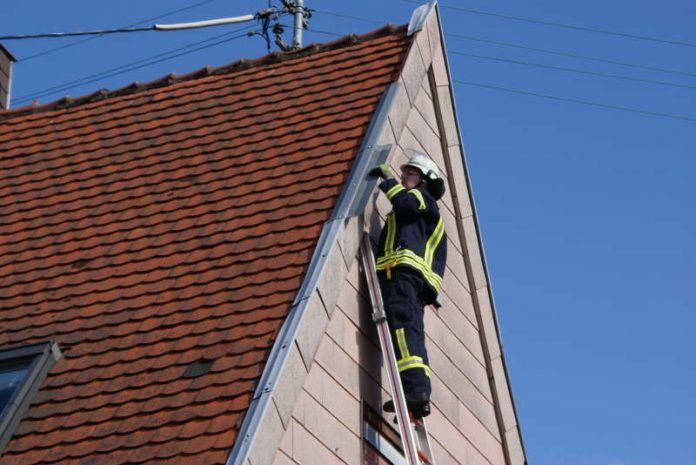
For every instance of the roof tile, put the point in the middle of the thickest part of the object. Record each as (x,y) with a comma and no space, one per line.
(153,226)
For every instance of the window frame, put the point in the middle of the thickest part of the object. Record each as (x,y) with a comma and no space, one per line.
(42,357)
(378,434)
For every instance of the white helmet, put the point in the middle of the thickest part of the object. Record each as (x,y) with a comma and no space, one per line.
(420,160)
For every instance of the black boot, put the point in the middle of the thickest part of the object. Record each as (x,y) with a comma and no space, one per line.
(419,408)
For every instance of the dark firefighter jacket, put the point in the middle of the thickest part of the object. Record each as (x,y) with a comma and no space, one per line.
(413,236)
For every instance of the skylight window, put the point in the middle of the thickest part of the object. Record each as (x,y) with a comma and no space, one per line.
(12,377)
(22,370)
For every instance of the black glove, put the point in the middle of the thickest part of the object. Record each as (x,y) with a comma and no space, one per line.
(382,170)
(436,187)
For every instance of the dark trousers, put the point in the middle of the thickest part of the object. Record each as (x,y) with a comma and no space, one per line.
(403,302)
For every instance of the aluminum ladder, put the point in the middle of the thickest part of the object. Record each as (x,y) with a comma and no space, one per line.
(414,434)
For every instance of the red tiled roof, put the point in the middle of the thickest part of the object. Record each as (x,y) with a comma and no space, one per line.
(155,226)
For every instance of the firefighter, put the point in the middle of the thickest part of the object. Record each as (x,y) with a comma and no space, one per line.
(410,264)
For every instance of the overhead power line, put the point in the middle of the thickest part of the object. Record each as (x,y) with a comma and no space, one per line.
(574,70)
(517,46)
(576,101)
(564,25)
(154,59)
(154,27)
(343,15)
(570,55)
(87,39)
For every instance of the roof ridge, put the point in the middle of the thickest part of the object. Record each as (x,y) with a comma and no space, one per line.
(173,78)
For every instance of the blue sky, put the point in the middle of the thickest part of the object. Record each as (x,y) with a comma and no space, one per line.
(586,211)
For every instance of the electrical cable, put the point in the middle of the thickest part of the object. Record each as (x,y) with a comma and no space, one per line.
(576,101)
(563,25)
(147,20)
(574,70)
(154,59)
(327,33)
(154,27)
(571,55)
(522,47)
(341,15)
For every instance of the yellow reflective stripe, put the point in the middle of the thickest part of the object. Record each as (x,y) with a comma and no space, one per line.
(401,340)
(419,196)
(391,233)
(394,190)
(414,364)
(408,257)
(433,242)
(408,360)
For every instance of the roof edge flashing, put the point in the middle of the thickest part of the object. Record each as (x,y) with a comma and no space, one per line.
(420,16)
(351,202)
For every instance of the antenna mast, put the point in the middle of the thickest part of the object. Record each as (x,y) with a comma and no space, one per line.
(299,23)
(301,15)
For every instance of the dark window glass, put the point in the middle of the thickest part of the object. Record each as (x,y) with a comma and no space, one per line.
(11,379)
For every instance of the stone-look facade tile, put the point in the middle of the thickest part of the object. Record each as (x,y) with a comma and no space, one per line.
(471,239)
(308,450)
(428,91)
(458,353)
(387,137)
(271,430)
(426,108)
(427,138)
(338,364)
(334,272)
(282,459)
(349,240)
(423,43)
(515,448)
(439,68)
(447,200)
(335,436)
(286,444)
(458,301)
(442,455)
(450,438)
(350,301)
(444,103)
(488,443)
(289,385)
(413,73)
(354,278)
(462,328)
(343,405)
(346,334)
(458,182)
(452,229)
(311,329)
(455,265)
(488,326)
(434,39)
(401,107)
(406,141)
(454,287)
(463,388)
(504,398)
(444,400)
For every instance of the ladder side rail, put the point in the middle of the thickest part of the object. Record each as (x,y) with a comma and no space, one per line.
(393,378)
(423,439)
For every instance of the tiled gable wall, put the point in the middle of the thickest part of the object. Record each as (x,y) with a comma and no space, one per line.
(325,426)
